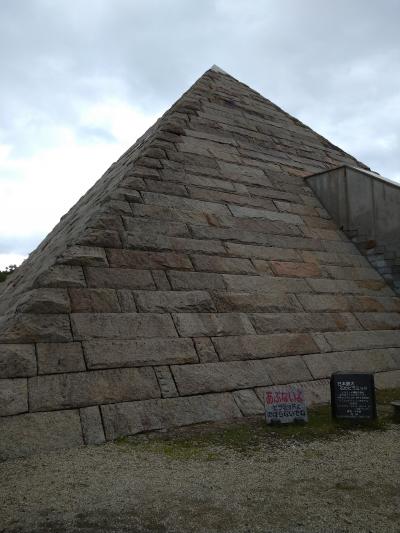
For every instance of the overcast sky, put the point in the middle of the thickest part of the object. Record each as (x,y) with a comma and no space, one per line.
(80,81)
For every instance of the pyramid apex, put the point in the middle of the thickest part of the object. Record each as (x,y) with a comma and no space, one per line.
(216,68)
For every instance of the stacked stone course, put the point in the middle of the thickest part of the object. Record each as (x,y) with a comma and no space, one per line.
(196,273)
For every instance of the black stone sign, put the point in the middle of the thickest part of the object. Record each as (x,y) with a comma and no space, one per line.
(353,396)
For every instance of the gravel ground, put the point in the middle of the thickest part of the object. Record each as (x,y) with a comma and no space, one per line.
(347,483)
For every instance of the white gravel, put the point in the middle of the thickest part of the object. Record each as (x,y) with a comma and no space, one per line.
(346,484)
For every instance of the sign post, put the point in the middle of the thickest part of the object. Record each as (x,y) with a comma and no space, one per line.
(353,396)
(285,405)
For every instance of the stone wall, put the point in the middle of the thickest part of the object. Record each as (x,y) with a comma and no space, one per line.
(199,271)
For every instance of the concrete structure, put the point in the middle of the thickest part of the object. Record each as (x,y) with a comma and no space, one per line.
(366,207)
(200,270)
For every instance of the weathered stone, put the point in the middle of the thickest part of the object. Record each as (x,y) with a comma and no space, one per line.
(174,301)
(343,286)
(84,255)
(62,276)
(262,252)
(379,320)
(212,263)
(315,392)
(86,326)
(263,346)
(25,328)
(166,382)
(387,380)
(17,360)
(156,227)
(255,302)
(135,417)
(296,270)
(39,432)
(324,302)
(302,322)
(164,200)
(212,324)
(166,188)
(371,303)
(287,370)
(161,281)
(146,260)
(229,197)
(100,237)
(143,352)
(220,377)
(323,365)
(13,396)
(359,340)
(44,301)
(251,212)
(94,301)
(119,278)
(205,350)
(353,273)
(195,280)
(177,244)
(296,209)
(171,213)
(264,283)
(55,357)
(248,402)
(92,426)
(126,301)
(65,391)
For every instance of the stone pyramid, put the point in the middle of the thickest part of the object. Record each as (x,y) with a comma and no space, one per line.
(197,272)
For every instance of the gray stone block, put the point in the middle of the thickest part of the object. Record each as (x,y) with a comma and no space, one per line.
(135,417)
(255,302)
(196,280)
(212,263)
(220,377)
(94,301)
(56,358)
(143,352)
(26,328)
(264,284)
(205,350)
(287,370)
(369,360)
(176,244)
(17,360)
(119,278)
(46,301)
(148,260)
(360,340)
(126,301)
(262,252)
(303,322)
(82,389)
(387,380)
(13,396)
(166,382)
(250,212)
(379,320)
(61,276)
(324,302)
(152,227)
(174,301)
(84,255)
(161,281)
(248,402)
(86,326)
(164,200)
(92,426)
(212,324)
(100,237)
(263,346)
(39,433)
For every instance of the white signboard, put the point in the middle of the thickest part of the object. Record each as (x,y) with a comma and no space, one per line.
(285,405)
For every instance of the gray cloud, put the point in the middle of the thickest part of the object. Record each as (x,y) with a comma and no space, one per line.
(332,64)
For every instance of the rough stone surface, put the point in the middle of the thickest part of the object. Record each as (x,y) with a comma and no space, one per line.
(65,391)
(142,352)
(198,271)
(17,360)
(133,417)
(92,426)
(58,357)
(13,396)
